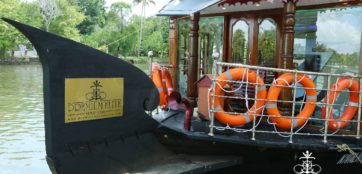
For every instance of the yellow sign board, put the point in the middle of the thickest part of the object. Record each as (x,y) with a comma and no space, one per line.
(93,98)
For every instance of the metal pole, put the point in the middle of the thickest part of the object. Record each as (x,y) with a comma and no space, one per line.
(326,121)
(150,68)
(255,104)
(215,70)
(359,110)
(293,108)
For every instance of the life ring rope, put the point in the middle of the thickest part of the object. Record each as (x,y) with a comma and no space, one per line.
(334,100)
(304,99)
(240,74)
(242,83)
(308,108)
(227,127)
(351,107)
(300,109)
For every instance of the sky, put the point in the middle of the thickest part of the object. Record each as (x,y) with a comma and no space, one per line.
(150,10)
(346,39)
(339,30)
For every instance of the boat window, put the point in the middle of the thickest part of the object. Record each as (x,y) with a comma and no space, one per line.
(183,54)
(240,50)
(267,42)
(329,40)
(210,42)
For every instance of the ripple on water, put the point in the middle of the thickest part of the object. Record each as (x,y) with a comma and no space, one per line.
(22,147)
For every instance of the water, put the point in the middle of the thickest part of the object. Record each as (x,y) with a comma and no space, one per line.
(22,141)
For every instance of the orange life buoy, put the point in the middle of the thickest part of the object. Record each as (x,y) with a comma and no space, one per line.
(167,80)
(234,75)
(273,94)
(350,111)
(157,80)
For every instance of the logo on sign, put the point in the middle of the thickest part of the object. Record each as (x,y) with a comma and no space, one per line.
(96,94)
(93,98)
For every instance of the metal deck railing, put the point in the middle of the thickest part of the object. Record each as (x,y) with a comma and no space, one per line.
(354,125)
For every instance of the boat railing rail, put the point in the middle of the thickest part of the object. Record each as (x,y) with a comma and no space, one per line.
(352,130)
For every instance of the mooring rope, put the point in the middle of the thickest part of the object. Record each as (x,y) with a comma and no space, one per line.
(345,147)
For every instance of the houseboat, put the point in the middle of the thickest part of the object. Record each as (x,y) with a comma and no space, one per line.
(254,86)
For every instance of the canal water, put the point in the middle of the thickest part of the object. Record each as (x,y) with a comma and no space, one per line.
(22,141)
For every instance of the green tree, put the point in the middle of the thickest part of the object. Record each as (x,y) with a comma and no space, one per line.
(49,10)
(122,10)
(95,15)
(267,46)
(239,47)
(156,36)
(144,4)
(111,38)
(66,23)
(26,12)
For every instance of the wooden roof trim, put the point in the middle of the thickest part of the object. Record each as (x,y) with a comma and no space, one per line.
(233,2)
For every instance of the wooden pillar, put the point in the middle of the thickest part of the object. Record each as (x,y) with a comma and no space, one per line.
(253,41)
(279,35)
(288,35)
(226,37)
(172,51)
(286,60)
(192,66)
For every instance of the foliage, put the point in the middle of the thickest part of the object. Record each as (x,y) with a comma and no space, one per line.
(146,2)
(26,12)
(239,46)
(66,23)
(341,61)
(49,10)
(87,21)
(121,10)
(95,15)
(156,36)
(267,45)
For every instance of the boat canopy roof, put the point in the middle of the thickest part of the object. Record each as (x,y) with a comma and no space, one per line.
(188,7)
(185,7)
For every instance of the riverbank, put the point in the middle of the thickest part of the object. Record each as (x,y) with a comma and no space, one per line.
(144,59)
(18,61)
(131,59)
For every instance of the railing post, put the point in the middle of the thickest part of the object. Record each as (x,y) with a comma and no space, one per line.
(255,103)
(359,110)
(329,107)
(213,84)
(293,106)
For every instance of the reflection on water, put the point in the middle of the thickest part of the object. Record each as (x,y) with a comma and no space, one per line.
(22,141)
